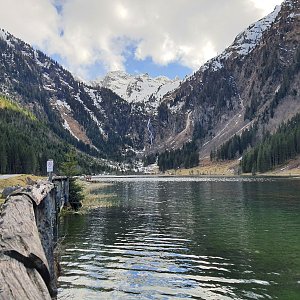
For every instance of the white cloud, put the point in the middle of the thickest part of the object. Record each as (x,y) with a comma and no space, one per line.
(266,6)
(35,21)
(185,31)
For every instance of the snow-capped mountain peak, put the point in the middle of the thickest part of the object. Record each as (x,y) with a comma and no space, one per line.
(137,88)
(246,41)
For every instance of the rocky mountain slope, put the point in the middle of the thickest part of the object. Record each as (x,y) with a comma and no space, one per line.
(93,118)
(254,81)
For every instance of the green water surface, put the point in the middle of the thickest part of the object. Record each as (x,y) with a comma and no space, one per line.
(186,238)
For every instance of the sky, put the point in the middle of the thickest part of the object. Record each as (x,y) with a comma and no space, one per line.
(160,37)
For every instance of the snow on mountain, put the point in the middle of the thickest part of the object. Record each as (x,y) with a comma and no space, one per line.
(137,88)
(4,35)
(245,42)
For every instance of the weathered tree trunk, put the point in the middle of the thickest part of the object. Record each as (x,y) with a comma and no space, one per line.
(20,238)
(27,243)
(28,236)
(19,282)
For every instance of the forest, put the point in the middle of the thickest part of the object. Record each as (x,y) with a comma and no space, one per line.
(236,146)
(275,149)
(186,157)
(27,143)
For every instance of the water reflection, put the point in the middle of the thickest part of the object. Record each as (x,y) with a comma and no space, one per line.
(199,239)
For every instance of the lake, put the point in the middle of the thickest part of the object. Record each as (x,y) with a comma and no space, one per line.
(185,238)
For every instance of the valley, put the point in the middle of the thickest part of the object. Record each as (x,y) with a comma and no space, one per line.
(157,148)
(121,119)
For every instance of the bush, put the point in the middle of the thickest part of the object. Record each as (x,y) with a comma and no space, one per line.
(70,168)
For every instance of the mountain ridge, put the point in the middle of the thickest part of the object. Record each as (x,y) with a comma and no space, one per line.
(224,97)
(219,109)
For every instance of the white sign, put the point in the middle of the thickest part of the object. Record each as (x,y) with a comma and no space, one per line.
(49,165)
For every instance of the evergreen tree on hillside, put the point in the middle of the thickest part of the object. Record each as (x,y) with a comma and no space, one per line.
(236,146)
(3,156)
(186,157)
(276,149)
(70,168)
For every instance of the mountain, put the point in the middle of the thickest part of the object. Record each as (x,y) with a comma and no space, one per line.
(138,88)
(26,143)
(254,81)
(94,119)
(252,86)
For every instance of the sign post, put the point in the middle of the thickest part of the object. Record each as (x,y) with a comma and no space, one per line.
(50,168)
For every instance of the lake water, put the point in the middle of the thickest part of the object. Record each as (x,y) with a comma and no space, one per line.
(186,238)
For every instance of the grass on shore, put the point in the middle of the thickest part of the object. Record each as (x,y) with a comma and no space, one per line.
(230,168)
(206,167)
(92,197)
(21,180)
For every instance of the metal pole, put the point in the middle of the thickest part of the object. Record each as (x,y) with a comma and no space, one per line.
(50,176)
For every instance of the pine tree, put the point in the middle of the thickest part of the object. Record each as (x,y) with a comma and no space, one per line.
(275,149)
(70,168)
(3,158)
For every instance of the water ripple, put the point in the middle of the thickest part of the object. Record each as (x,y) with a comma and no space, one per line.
(185,239)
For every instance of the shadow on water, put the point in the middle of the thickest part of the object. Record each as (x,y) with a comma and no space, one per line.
(210,239)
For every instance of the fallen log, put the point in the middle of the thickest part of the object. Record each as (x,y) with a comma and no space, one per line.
(37,192)
(28,236)
(20,240)
(19,282)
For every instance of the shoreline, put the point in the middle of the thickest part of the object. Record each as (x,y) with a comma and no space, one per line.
(206,169)
(232,168)
(96,177)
